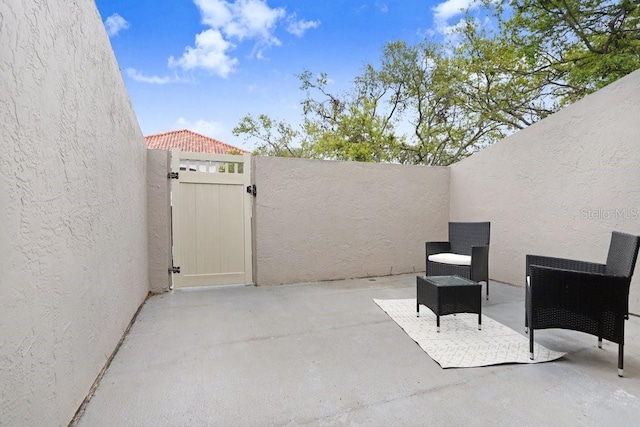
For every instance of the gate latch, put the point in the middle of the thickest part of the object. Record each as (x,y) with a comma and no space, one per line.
(251,189)
(174,270)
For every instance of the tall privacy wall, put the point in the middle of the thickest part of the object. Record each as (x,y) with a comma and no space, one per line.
(560,186)
(321,220)
(73,227)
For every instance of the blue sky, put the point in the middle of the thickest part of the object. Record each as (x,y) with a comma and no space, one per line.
(204,64)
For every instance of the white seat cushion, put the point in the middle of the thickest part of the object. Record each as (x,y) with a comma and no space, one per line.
(447,258)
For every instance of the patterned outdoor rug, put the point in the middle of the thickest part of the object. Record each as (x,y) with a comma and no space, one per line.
(460,344)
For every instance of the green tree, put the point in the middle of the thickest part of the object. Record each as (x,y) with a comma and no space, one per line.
(343,126)
(427,97)
(435,103)
(348,126)
(411,109)
(274,138)
(500,83)
(581,45)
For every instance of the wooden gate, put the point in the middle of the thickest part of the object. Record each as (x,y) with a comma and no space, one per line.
(211,219)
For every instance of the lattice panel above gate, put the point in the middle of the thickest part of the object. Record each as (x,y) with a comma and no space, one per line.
(209,166)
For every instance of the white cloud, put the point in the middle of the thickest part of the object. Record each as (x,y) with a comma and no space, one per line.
(209,53)
(448,9)
(209,128)
(453,29)
(215,13)
(158,80)
(230,23)
(253,19)
(445,11)
(299,27)
(115,23)
(450,18)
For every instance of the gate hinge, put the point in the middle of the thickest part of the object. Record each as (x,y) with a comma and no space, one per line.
(174,270)
(251,189)
(172,175)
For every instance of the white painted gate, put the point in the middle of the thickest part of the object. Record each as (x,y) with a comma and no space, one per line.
(211,219)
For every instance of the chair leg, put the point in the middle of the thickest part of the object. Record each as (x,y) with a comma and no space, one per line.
(526,305)
(599,342)
(531,344)
(620,360)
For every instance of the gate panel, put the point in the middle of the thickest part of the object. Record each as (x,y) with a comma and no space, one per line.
(211,219)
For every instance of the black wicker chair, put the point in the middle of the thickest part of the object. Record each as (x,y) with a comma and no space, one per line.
(466,254)
(582,296)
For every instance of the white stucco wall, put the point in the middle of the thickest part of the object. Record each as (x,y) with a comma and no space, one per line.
(73,227)
(560,186)
(320,220)
(159,207)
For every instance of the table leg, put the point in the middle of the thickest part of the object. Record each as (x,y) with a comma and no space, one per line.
(438,323)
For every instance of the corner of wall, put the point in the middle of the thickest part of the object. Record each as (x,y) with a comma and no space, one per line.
(159,219)
(560,186)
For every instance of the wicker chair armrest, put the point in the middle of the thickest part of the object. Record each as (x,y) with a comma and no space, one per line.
(479,254)
(578,291)
(480,257)
(432,248)
(480,264)
(563,263)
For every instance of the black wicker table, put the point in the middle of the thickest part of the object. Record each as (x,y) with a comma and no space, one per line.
(449,295)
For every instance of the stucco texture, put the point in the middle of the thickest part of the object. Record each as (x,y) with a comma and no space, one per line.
(560,186)
(73,207)
(159,206)
(323,220)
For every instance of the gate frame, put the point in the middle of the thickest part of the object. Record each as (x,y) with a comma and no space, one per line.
(177,157)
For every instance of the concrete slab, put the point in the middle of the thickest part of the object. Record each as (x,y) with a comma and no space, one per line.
(325,354)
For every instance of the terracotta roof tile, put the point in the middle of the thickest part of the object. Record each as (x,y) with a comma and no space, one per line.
(189,141)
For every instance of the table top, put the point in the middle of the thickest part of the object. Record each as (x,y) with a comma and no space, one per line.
(449,281)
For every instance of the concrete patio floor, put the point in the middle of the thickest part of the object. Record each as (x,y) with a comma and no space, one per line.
(325,354)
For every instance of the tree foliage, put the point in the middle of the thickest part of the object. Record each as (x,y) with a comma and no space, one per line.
(580,45)
(274,138)
(435,103)
(348,126)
